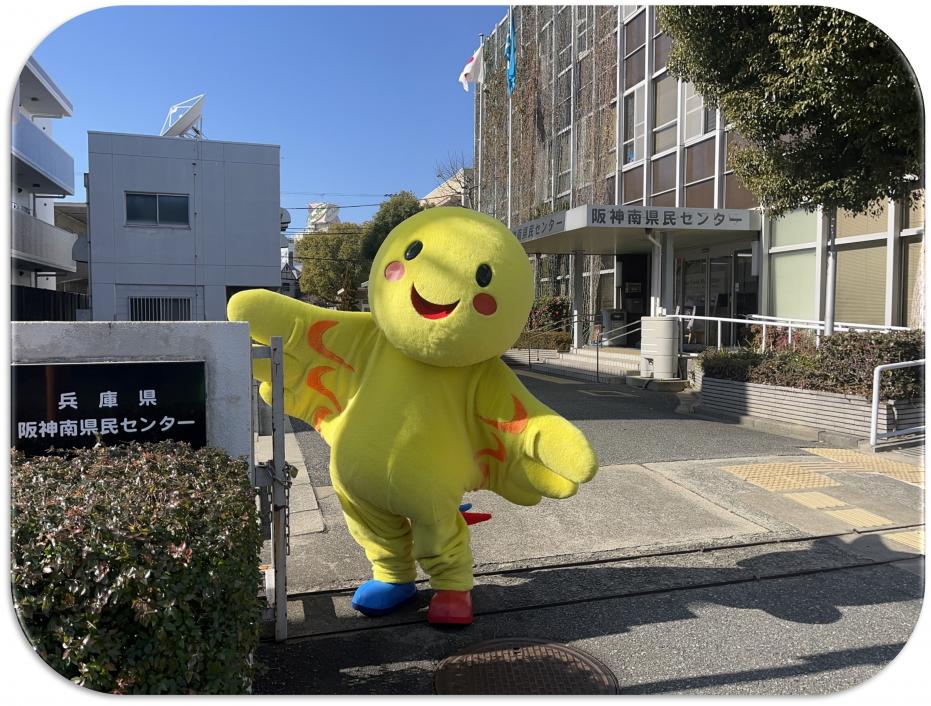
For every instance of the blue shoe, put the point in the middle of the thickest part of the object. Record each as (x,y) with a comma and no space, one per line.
(375,598)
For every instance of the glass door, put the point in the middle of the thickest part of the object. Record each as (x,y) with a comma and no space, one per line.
(719,299)
(694,284)
(745,293)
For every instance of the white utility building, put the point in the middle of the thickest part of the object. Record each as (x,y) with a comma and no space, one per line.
(176,226)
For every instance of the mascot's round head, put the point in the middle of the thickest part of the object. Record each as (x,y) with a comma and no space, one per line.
(451,287)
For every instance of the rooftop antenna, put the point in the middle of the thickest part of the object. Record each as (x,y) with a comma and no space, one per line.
(184,119)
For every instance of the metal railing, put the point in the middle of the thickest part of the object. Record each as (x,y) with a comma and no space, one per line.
(846,326)
(793,326)
(590,333)
(874,416)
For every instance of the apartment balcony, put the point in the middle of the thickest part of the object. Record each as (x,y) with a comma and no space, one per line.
(40,246)
(40,165)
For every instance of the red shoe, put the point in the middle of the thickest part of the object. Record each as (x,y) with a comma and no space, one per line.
(450,608)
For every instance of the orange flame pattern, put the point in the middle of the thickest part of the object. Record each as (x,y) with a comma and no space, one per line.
(515,425)
(315,375)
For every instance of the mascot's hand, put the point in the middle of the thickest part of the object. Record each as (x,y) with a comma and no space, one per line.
(556,459)
(301,327)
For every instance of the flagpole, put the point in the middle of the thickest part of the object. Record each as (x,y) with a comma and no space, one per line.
(479,89)
(514,53)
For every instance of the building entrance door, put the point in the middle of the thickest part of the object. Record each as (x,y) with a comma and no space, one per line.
(715,282)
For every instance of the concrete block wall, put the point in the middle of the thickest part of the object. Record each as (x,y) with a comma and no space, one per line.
(224,347)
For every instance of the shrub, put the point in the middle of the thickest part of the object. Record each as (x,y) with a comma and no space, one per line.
(550,340)
(729,365)
(135,568)
(847,361)
(548,311)
(843,363)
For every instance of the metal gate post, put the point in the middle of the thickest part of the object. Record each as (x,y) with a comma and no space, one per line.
(279,491)
(275,473)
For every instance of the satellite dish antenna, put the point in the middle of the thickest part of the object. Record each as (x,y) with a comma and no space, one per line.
(184,119)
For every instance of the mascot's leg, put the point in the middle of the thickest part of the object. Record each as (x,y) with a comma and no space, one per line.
(444,552)
(386,539)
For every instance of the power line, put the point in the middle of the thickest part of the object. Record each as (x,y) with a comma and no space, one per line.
(334,205)
(329,193)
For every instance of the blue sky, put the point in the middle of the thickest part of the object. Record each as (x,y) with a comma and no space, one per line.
(362,100)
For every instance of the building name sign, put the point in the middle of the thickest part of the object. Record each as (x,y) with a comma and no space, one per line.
(76,404)
(678,218)
(554,223)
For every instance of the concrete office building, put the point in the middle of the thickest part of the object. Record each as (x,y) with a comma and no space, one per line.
(613,174)
(42,171)
(176,226)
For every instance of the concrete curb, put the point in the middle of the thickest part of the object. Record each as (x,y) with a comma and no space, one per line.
(306,516)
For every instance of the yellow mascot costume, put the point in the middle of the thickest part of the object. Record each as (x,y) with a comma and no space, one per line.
(416,405)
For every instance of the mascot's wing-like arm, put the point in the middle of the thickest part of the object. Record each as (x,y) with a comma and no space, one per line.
(526,450)
(324,351)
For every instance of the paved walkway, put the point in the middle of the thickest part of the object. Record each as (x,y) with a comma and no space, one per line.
(703,558)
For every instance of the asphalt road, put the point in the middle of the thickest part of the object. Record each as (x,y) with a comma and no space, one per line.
(677,576)
(623,424)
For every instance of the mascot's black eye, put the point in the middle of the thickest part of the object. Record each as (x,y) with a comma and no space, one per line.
(483,275)
(413,250)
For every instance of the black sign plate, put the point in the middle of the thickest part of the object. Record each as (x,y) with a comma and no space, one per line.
(70,405)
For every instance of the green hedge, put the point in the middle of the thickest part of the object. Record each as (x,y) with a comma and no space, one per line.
(843,363)
(550,340)
(135,568)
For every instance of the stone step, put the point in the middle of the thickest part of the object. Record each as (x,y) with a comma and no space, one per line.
(592,362)
(519,355)
(603,377)
(627,355)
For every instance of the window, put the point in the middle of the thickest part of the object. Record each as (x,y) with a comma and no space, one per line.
(159,309)
(664,181)
(633,186)
(635,50)
(911,258)
(634,125)
(699,120)
(913,215)
(849,224)
(860,294)
(699,174)
(157,209)
(736,194)
(665,90)
(795,228)
(662,42)
(792,284)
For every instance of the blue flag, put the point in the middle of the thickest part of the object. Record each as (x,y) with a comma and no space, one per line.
(510,53)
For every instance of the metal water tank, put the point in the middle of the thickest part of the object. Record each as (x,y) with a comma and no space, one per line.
(659,347)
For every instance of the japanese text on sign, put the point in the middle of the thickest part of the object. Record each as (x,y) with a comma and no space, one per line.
(722,219)
(71,405)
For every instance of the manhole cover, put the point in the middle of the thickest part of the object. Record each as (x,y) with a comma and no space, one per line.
(522,666)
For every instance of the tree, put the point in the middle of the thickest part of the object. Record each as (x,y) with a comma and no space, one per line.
(828,106)
(391,212)
(333,261)
(458,179)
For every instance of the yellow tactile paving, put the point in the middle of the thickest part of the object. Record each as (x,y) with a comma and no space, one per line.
(861,519)
(816,501)
(780,476)
(872,463)
(913,539)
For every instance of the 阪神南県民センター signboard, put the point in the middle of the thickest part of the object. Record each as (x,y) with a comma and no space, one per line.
(76,404)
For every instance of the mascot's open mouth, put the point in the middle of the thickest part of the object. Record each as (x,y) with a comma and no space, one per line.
(428,309)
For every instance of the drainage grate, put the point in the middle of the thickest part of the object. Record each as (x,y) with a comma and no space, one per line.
(522,666)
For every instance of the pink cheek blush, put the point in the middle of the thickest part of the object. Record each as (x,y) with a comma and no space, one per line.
(485,304)
(394,271)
